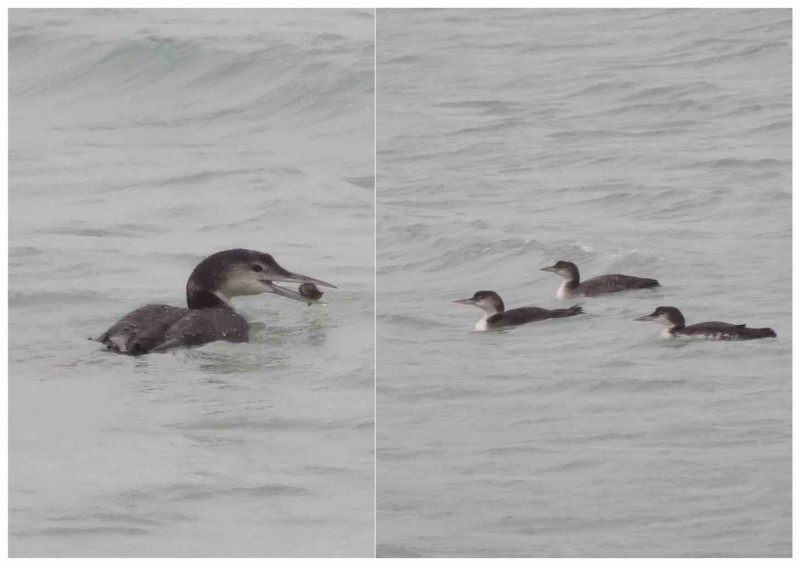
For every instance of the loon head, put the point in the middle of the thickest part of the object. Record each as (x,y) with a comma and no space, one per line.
(233,273)
(311,292)
(489,301)
(565,269)
(668,316)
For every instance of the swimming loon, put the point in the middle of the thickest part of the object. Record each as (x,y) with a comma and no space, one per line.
(572,286)
(210,316)
(310,291)
(673,319)
(497,317)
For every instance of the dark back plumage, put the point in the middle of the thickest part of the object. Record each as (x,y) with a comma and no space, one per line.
(725,331)
(141,330)
(155,328)
(524,315)
(614,283)
(201,326)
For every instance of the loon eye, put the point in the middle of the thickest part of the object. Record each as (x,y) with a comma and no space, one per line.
(257,267)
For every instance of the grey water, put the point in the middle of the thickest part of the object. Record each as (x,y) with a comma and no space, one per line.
(654,143)
(142,141)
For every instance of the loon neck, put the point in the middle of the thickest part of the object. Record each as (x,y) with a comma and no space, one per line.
(202,299)
(676,318)
(494,307)
(574,279)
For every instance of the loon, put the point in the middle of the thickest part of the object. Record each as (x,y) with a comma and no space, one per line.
(497,317)
(572,286)
(676,326)
(210,316)
(311,292)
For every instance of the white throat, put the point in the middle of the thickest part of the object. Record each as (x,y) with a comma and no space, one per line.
(224,298)
(564,292)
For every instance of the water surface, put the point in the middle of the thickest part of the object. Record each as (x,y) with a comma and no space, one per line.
(142,141)
(646,142)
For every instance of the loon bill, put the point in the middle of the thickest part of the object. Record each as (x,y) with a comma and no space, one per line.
(497,317)
(676,327)
(572,286)
(210,316)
